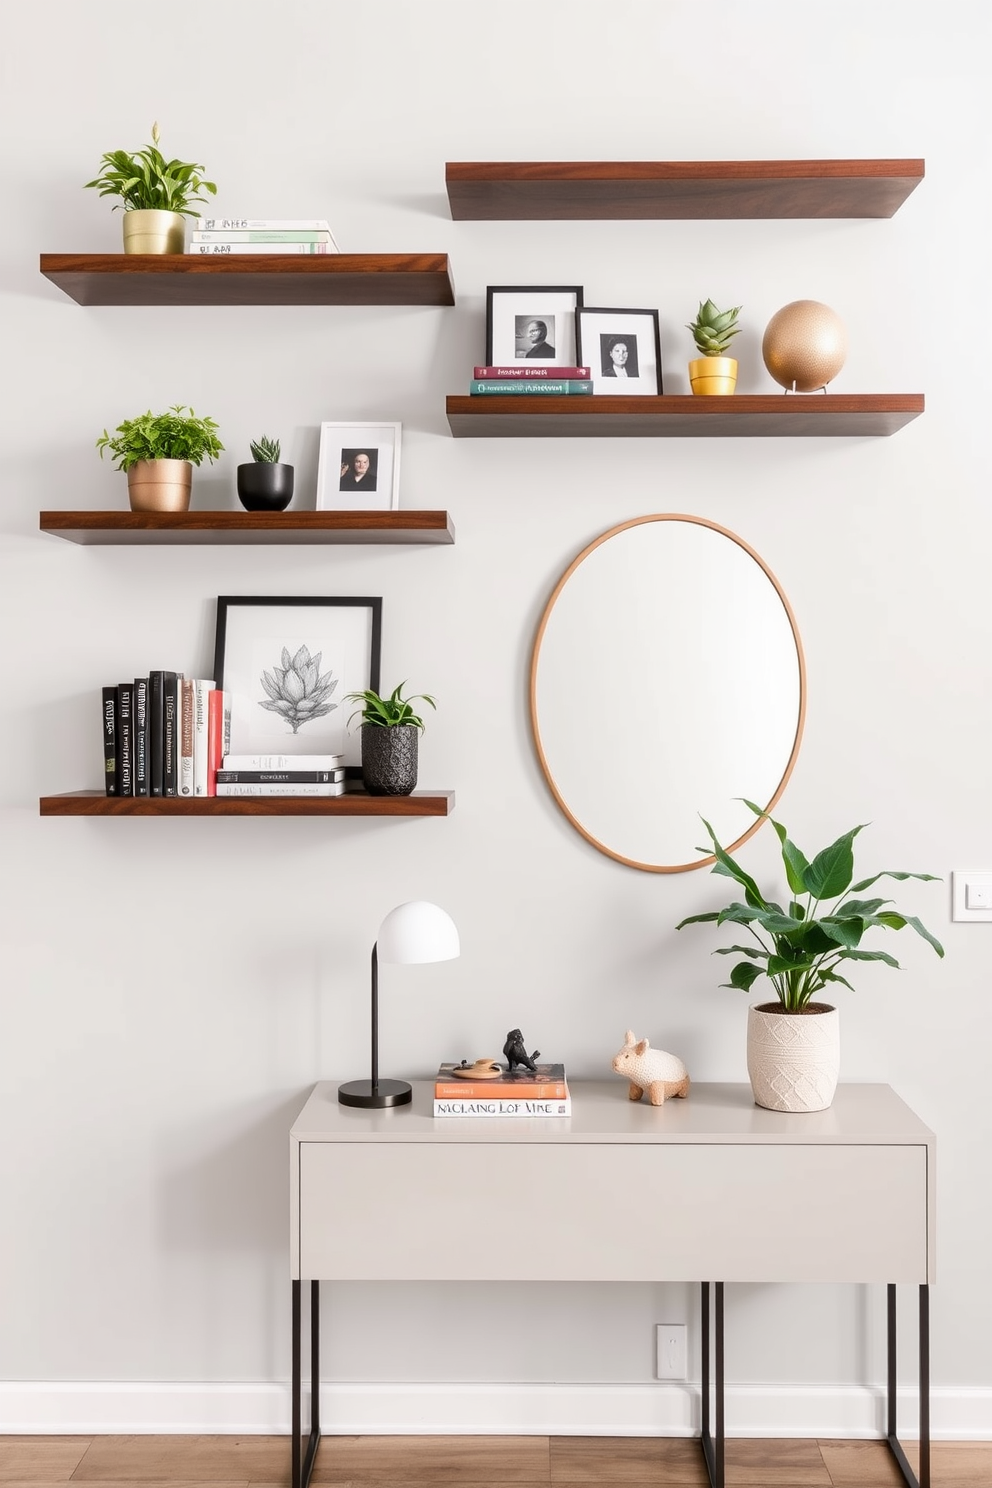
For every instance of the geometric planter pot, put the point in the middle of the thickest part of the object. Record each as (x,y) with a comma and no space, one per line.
(793,1059)
(389,758)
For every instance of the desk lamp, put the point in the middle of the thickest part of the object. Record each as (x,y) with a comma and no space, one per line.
(410,934)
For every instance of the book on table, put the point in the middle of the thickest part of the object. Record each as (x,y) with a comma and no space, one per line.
(479,1107)
(547,1082)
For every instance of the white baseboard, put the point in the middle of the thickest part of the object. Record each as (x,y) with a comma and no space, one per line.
(957,1414)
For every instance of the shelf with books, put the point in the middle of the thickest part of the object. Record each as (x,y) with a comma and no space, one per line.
(252,278)
(772,415)
(352,803)
(234,527)
(577,190)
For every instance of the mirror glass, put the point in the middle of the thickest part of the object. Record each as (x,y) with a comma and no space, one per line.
(667,681)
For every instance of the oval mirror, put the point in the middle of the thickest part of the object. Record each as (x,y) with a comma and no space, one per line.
(667,681)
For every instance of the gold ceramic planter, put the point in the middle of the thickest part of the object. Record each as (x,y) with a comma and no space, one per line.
(713,375)
(160,485)
(154,232)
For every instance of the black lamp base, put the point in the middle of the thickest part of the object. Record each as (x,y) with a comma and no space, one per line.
(382,1093)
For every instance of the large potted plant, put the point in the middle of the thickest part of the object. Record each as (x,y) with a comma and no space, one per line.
(793,1049)
(713,372)
(265,484)
(390,735)
(157,452)
(156,194)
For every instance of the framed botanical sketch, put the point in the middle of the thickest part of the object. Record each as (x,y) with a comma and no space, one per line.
(622,349)
(287,665)
(358,467)
(531,323)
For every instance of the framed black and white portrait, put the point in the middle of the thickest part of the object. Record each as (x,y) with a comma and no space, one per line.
(531,325)
(358,467)
(287,665)
(622,349)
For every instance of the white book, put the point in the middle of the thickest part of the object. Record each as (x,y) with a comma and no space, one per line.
(503,1108)
(282,761)
(262,235)
(266,248)
(263,224)
(201,689)
(333,788)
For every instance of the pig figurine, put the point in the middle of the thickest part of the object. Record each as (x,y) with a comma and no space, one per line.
(653,1070)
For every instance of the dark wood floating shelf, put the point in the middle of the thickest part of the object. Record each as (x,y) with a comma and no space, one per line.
(252,278)
(577,190)
(743,415)
(114,528)
(352,803)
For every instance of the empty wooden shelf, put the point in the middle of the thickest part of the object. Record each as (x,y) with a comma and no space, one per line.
(234,527)
(813,415)
(685,189)
(352,803)
(252,278)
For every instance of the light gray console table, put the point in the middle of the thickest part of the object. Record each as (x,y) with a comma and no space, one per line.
(718,1188)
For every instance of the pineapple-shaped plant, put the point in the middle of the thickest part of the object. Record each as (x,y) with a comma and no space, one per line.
(266,451)
(713,330)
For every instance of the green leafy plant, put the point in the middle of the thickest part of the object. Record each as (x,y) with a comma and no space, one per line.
(146,181)
(803,945)
(713,329)
(389,712)
(177,434)
(266,451)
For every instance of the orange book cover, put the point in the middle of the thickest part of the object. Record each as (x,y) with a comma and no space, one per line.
(547,1082)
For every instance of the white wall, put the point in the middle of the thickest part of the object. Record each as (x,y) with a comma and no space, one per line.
(171,989)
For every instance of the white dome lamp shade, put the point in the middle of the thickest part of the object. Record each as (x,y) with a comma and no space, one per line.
(411,934)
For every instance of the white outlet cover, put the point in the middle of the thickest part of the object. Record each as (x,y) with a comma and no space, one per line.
(968,889)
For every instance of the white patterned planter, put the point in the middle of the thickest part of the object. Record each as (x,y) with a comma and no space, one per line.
(793,1059)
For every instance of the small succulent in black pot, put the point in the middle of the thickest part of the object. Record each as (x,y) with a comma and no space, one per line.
(265,484)
(390,735)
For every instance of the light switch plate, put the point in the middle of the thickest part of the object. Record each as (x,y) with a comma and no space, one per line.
(970,894)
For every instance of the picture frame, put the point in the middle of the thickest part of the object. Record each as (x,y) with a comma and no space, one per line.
(622,349)
(257,634)
(342,484)
(513,311)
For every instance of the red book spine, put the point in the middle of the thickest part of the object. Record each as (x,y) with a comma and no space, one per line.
(215,737)
(515,372)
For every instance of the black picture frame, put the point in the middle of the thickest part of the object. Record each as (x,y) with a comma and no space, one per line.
(553,305)
(342,634)
(597,327)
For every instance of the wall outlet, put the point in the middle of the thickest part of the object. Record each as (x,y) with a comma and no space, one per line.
(672,1363)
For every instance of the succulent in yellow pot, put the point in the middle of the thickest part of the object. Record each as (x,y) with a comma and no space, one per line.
(713,372)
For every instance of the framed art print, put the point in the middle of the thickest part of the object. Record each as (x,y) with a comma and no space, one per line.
(622,349)
(531,324)
(358,467)
(287,666)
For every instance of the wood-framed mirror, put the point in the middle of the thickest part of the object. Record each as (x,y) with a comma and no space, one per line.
(667,681)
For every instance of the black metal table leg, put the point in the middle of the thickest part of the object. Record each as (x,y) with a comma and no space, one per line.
(713,1444)
(892,1435)
(302,1465)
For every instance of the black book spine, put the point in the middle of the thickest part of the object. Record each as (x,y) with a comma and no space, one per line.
(156,731)
(125,739)
(170,735)
(110,738)
(139,708)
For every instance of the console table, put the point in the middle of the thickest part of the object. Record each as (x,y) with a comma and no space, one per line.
(720,1191)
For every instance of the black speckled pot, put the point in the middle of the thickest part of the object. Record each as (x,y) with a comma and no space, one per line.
(389,759)
(263,486)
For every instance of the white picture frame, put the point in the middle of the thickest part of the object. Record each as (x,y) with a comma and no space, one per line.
(600,333)
(342,485)
(512,311)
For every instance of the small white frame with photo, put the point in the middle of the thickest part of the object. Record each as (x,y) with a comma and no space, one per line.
(622,349)
(513,312)
(342,483)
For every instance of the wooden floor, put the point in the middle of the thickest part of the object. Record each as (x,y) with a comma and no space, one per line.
(470,1462)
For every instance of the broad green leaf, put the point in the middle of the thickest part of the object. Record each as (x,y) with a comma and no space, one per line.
(700,919)
(872,956)
(796,910)
(756,951)
(922,930)
(831,871)
(751,891)
(781,924)
(827,975)
(782,965)
(863,907)
(846,930)
(739,914)
(743,976)
(795,861)
(866,883)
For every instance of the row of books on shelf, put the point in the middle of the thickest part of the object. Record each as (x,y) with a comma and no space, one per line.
(269,235)
(542,1091)
(553,381)
(169,735)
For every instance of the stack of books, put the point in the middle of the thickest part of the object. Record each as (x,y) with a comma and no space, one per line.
(262,235)
(532,378)
(163,735)
(540,1092)
(281,775)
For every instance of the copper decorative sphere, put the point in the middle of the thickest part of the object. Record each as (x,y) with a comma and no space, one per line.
(804,345)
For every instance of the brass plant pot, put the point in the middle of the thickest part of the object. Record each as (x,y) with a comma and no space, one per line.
(160,485)
(154,232)
(713,375)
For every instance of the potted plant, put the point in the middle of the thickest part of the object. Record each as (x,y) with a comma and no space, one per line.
(390,734)
(157,452)
(156,195)
(793,1050)
(265,484)
(713,330)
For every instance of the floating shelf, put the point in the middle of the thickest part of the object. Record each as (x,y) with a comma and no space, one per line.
(743,415)
(352,803)
(113,528)
(252,278)
(576,190)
